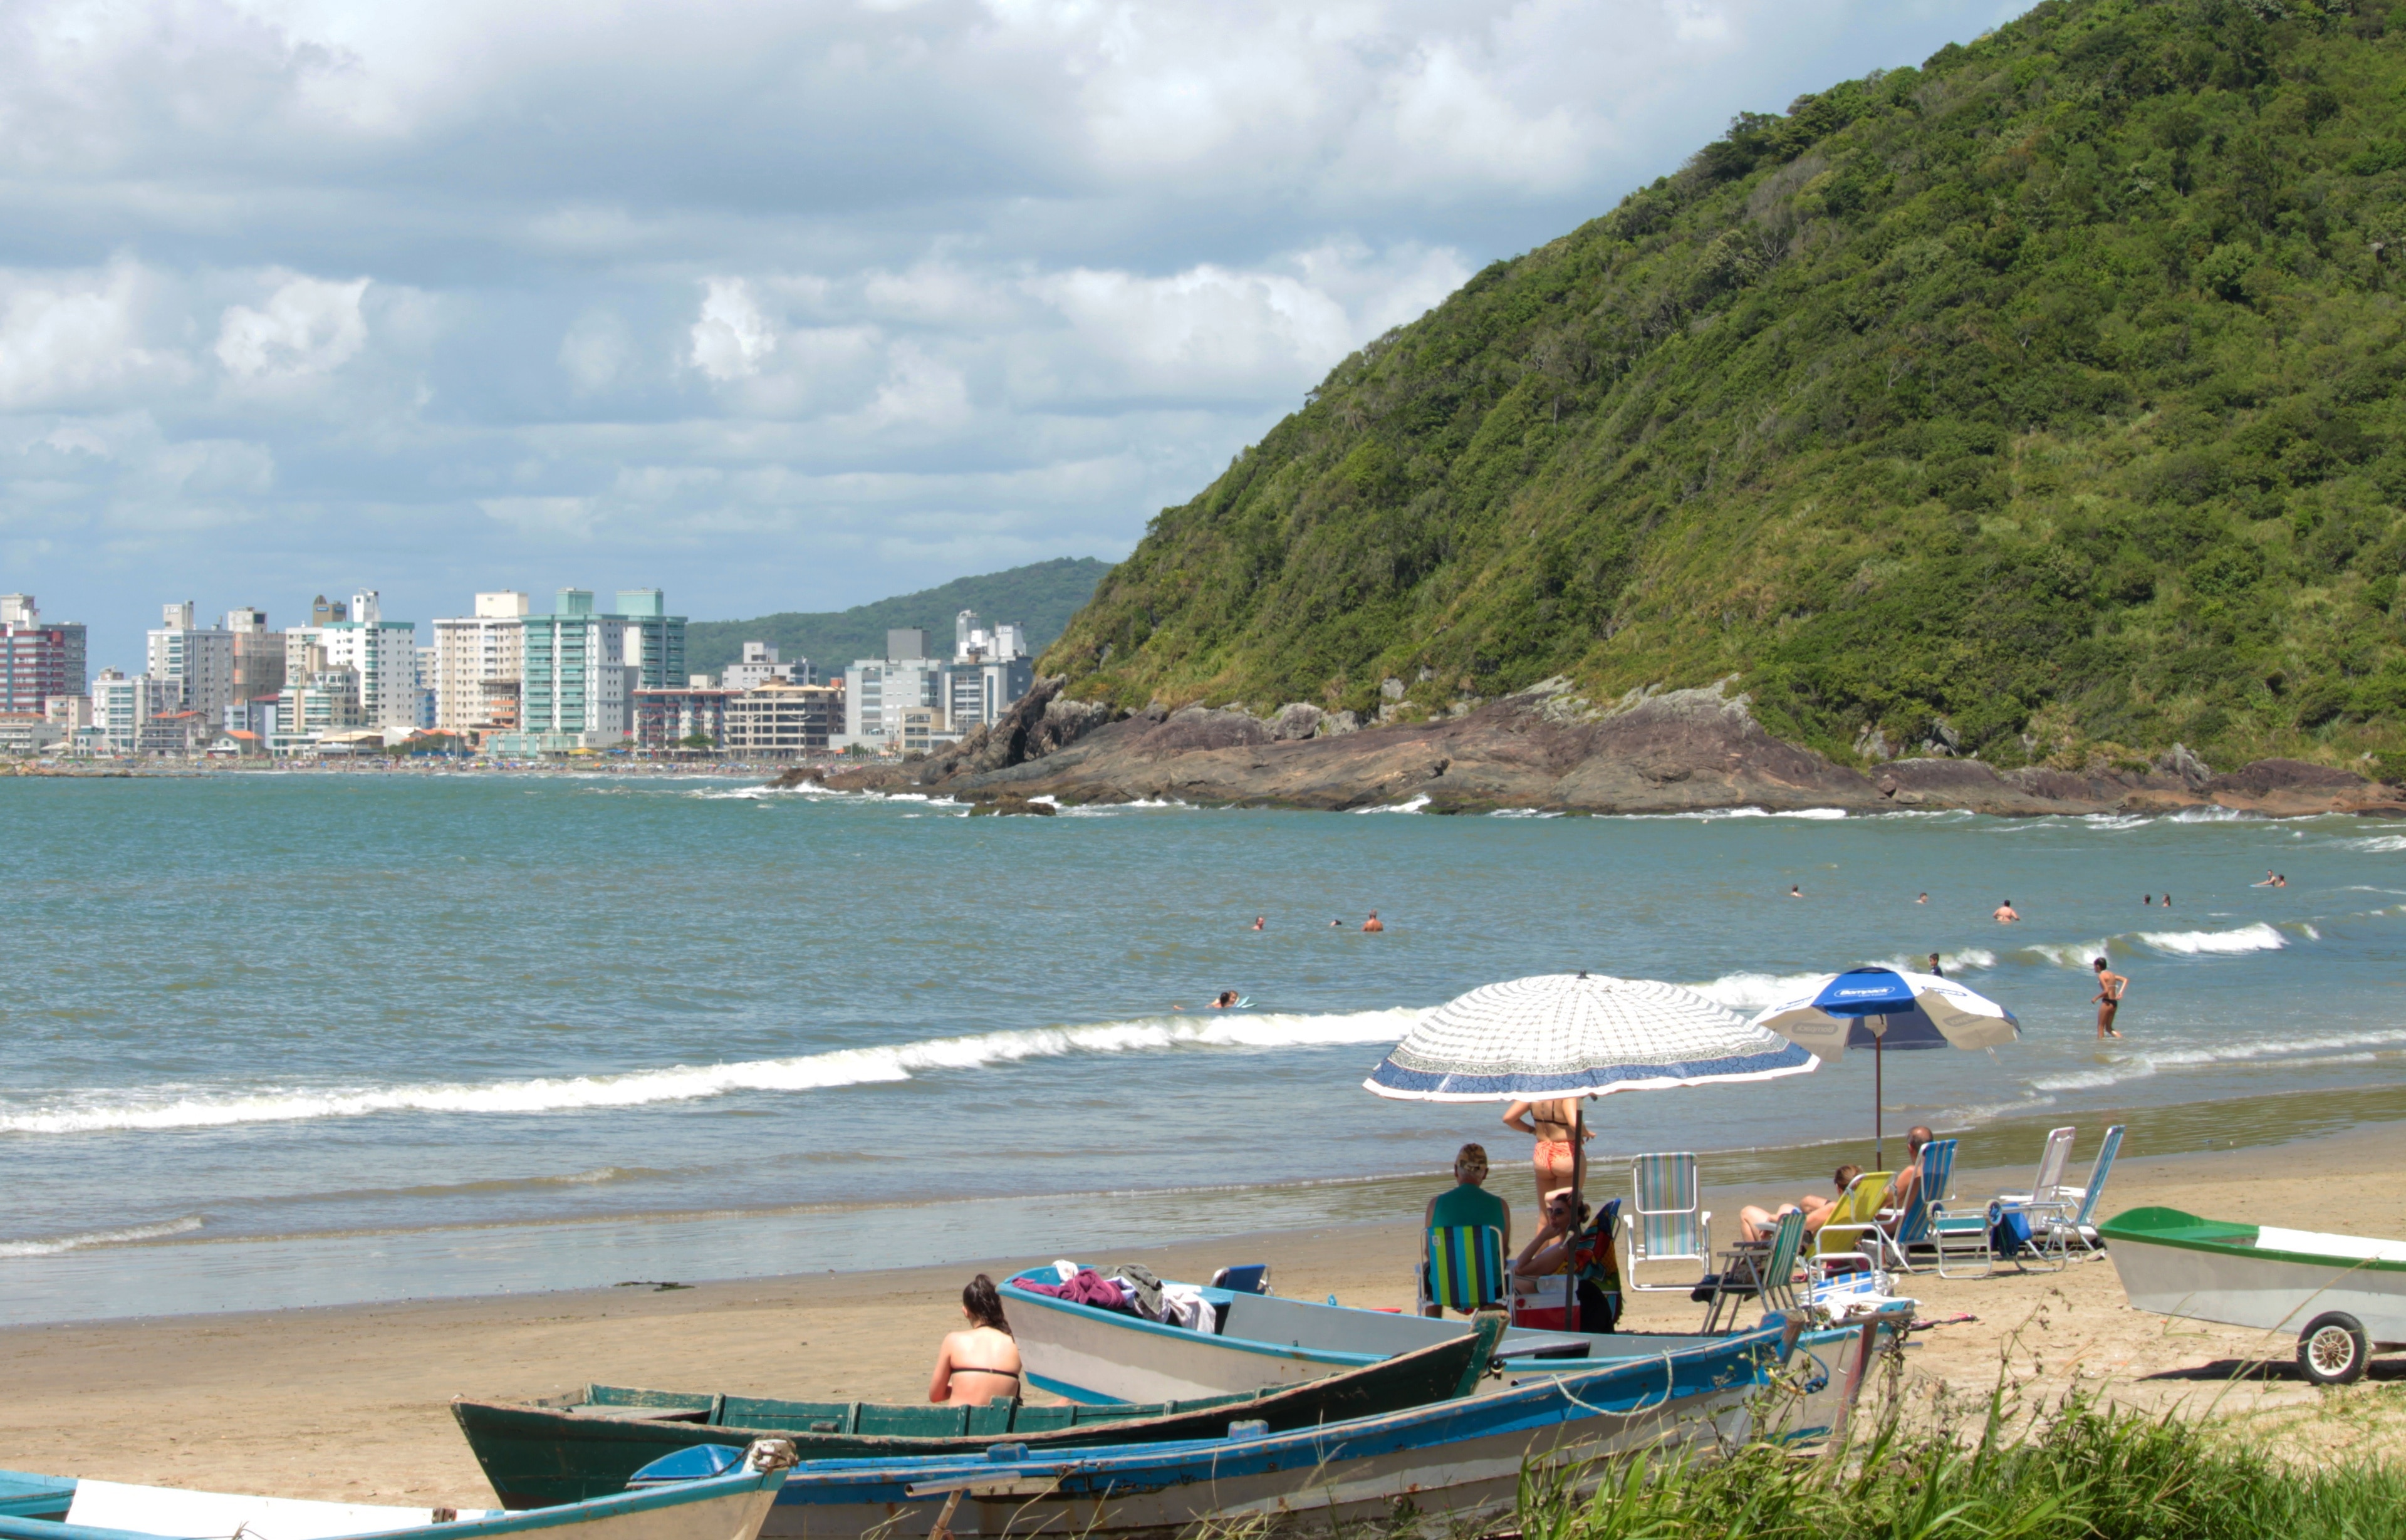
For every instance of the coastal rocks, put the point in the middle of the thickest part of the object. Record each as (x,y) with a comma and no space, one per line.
(1009,806)
(2179,762)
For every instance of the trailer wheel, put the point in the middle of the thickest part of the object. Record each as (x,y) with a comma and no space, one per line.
(2332,1349)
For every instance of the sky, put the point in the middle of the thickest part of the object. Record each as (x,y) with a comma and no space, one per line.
(775,306)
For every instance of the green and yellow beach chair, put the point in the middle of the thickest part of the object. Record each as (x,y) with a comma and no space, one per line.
(1857,1211)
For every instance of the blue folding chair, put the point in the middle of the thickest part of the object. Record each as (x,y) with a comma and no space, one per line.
(2078,1227)
(1915,1229)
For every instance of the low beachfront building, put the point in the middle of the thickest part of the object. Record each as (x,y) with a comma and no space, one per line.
(782,721)
(667,720)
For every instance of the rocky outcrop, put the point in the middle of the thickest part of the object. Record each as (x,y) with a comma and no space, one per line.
(1008,806)
(1651,751)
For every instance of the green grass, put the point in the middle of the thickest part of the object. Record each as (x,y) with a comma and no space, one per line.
(2082,1473)
(2046,393)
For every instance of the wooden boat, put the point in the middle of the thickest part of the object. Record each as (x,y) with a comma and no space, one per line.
(537,1456)
(2343,1295)
(1451,1459)
(1096,1355)
(724,1499)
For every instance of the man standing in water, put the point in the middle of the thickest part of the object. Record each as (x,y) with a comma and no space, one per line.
(1372,924)
(2006,914)
(2110,986)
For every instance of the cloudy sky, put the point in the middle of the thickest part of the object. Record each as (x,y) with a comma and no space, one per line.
(775,306)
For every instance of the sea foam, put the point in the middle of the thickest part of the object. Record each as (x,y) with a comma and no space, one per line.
(694,1082)
(126,1237)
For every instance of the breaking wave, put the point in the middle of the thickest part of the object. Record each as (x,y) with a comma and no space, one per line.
(99,1237)
(2350,1047)
(684,1083)
(1415,805)
(2260,936)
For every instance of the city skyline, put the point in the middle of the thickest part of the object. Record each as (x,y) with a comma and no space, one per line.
(873,297)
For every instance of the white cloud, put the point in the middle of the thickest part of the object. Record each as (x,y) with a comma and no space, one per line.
(732,338)
(70,337)
(309,327)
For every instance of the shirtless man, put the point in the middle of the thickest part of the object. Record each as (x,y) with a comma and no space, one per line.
(2005,914)
(1372,926)
(2110,986)
(1557,1165)
(1755,1224)
(1257,921)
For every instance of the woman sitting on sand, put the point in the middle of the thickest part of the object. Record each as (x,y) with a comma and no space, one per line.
(1755,1224)
(974,1366)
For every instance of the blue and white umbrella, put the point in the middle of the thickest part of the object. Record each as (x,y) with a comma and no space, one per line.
(1579,1035)
(1885,1007)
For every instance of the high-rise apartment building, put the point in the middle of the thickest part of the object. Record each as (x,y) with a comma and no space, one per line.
(123,704)
(258,654)
(582,666)
(477,660)
(383,654)
(760,665)
(198,662)
(38,662)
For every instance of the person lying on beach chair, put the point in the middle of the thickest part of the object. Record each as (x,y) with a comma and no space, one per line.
(1756,1223)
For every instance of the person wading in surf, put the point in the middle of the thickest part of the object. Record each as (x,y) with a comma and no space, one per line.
(2110,986)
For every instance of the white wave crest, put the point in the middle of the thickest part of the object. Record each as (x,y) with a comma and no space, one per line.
(683,1082)
(98,1237)
(2338,1048)
(2192,943)
(1413,806)
(1970,958)
(2067,954)
(1754,990)
(2379,843)
(1525,812)
(1706,815)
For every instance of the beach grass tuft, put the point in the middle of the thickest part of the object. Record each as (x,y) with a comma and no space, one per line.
(2080,1471)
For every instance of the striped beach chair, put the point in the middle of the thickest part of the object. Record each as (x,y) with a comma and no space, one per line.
(1765,1274)
(2065,1231)
(1462,1269)
(1915,1229)
(1665,1220)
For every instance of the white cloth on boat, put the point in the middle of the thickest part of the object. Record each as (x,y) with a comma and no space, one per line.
(1067,1268)
(1183,1304)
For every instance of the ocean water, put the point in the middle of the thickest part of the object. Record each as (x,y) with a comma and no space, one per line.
(273,1040)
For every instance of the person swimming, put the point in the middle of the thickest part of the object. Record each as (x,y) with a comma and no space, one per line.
(2006,914)
(1372,926)
(1257,922)
(1224,1000)
(1795,892)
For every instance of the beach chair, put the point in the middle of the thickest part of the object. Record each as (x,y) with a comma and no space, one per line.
(1837,1245)
(1665,1220)
(1911,1227)
(2078,1227)
(1765,1272)
(1551,1303)
(1461,1268)
(2038,1210)
(1252,1277)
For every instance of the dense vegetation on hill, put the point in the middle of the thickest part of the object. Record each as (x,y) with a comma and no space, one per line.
(2045,396)
(1040,595)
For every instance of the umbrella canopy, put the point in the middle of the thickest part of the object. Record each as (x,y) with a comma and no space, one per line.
(1889,1008)
(1884,1008)
(1577,1035)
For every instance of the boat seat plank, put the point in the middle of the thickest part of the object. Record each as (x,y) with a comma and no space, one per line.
(621,1395)
(1042,1419)
(913,1421)
(749,1411)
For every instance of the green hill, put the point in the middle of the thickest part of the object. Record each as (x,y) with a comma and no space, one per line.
(1040,595)
(2046,393)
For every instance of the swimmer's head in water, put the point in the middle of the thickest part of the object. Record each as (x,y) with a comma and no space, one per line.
(1470,1163)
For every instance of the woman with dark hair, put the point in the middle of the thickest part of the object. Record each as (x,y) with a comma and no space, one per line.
(981,1362)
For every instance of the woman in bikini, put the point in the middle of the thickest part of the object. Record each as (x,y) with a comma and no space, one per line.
(1557,1165)
(977,1364)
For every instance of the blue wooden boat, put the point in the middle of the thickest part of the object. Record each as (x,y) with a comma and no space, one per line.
(1454,1459)
(722,1493)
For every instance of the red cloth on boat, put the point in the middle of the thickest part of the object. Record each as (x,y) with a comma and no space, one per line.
(1086,1287)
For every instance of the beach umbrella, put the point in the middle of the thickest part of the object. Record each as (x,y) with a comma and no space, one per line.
(1579,1035)
(1885,1007)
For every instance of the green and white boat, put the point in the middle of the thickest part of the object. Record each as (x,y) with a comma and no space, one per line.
(2343,1295)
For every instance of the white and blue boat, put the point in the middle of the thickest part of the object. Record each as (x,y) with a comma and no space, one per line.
(1456,1458)
(1092,1355)
(713,1494)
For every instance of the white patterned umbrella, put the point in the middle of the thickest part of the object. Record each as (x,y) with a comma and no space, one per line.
(1579,1035)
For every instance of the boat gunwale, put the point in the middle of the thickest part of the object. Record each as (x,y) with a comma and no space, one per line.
(2223,1239)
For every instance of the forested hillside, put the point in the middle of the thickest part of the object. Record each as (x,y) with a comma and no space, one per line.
(2043,400)
(1040,595)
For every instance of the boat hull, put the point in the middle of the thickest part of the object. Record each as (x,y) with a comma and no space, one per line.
(1096,1356)
(1458,1459)
(2204,1271)
(539,1457)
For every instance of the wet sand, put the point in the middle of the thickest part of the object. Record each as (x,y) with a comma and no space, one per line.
(352,1402)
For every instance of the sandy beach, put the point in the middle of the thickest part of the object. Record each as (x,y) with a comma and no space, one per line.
(352,1402)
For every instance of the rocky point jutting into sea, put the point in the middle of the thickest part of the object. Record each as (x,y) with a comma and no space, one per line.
(1662,751)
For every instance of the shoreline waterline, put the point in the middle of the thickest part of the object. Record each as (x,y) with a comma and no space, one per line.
(127,1278)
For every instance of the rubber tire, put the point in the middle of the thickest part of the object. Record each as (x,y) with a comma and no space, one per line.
(2333,1328)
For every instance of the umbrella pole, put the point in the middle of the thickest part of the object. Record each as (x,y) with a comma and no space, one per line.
(1879,1141)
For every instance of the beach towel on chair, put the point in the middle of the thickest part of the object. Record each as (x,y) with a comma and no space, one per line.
(2009,1235)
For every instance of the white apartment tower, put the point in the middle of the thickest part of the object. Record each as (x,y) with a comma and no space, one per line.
(478,659)
(382,653)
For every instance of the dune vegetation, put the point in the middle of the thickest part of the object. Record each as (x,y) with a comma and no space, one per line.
(2038,403)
